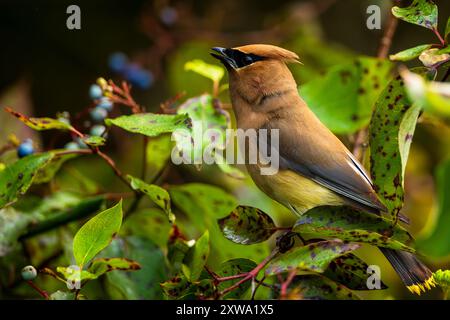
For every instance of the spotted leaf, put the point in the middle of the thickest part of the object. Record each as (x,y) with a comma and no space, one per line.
(16,178)
(157,194)
(317,287)
(94,141)
(314,257)
(40,124)
(421,12)
(247,225)
(150,124)
(47,173)
(350,271)
(100,266)
(351,225)
(390,135)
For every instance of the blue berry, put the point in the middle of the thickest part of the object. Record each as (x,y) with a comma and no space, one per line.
(80,143)
(72,146)
(25,149)
(98,114)
(118,62)
(97,130)
(95,92)
(139,77)
(105,103)
(168,15)
(29,273)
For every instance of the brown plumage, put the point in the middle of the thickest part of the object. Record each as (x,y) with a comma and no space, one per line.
(315,167)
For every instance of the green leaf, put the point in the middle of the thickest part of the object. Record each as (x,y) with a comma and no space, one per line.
(314,257)
(203,205)
(94,141)
(436,243)
(317,287)
(148,223)
(350,271)
(432,58)
(151,124)
(351,225)
(444,50)
(390,135)
(352,90)
(195,259)
(157,194)
(40,124)
(96,234)
(421,12)
(210,71)
(75,275)
(62,295)
(48,172)
(140,284)
(100,266)
(176,287)
(442,278)
(231,268)
(16,178)
(247,225)
(177,250)
(409,54)
(158,153)
(433,96)
(207,137)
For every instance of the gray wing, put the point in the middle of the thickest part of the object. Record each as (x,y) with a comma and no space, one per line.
(324,159)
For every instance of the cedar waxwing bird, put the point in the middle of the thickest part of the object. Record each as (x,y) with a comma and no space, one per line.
(315,168)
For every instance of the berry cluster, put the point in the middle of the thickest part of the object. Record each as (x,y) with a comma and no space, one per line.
(132,72)
(103,105)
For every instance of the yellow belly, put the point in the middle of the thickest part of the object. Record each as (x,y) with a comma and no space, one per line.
(293,190)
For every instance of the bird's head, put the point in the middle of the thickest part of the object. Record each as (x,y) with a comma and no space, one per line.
(257,69)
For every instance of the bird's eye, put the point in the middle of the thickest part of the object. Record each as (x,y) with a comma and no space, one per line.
(248,60)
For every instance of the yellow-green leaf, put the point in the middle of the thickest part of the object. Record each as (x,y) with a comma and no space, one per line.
(410,53)
(157,194)
(96,234)
(210,71)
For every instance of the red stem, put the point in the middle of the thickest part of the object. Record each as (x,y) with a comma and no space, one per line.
(39,290)
(285,284)
(252,274)
(436,32)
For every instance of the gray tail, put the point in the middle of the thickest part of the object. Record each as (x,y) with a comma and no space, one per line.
(415,274)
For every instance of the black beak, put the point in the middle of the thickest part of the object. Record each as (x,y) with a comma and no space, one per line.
(224,55)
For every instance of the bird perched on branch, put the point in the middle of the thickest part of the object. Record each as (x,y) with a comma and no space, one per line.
(315,168)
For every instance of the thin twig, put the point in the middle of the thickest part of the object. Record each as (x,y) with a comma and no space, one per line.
(252,274)
(437,33)
(386,39)
(39,290)
(285,284)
